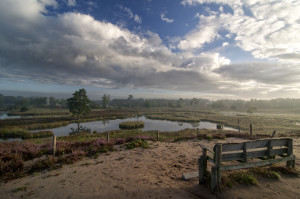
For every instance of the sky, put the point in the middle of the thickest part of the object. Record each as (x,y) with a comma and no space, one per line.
(214,49)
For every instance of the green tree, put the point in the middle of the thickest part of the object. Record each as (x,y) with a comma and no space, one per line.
(79,105)
(130,97)
(147,104)
(194,102)
(105,100)
(180,103)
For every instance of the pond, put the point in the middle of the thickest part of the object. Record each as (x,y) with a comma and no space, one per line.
(149,124)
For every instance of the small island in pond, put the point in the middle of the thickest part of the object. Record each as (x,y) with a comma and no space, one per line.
(131,125)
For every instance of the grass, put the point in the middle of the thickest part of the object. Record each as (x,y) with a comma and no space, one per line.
(24,134)
(137,143)
(131,125)
(249,176)
(23,188)
(263,123)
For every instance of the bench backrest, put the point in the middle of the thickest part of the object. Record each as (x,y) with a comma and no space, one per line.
(253,149)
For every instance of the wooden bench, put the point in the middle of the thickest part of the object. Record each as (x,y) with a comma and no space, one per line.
(261,152)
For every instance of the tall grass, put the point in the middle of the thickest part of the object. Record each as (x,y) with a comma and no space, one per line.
(24,134)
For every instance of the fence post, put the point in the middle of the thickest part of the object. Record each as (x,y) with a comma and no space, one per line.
(107,136)
(273,134)
(157,135)
(197,132)
(54,144)
(251,129)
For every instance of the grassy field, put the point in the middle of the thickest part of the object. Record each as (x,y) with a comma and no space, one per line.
(263,123)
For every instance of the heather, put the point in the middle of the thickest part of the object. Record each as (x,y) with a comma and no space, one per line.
(39,157)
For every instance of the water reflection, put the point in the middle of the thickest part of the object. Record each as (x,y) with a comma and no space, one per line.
(195,124)
(180,123)
(105,122)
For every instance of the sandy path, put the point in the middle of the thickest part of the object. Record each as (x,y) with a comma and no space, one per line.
(141,173)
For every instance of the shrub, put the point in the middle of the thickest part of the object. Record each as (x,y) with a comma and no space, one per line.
(131,125)
(244,177)
(48,163)
(137,143)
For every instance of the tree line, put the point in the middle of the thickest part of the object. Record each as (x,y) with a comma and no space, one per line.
(106,101)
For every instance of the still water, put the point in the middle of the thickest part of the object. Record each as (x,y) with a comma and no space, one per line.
(149,124)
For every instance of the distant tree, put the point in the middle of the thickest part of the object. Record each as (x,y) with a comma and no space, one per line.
(79,105)
(194,102)
(24,109)
(105,100)
(130,97)
(180,102)
(94,105)
(147,104)
(250,110)
(1,100)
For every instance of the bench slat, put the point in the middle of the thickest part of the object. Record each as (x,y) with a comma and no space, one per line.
(255,164)
(254,144)
(252,154)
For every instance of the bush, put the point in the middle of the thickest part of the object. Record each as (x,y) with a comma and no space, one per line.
(131,125)
(48,163)
(137,143)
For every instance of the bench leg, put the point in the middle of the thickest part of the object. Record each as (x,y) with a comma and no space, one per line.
(291,163)
(214,179)
(202,165)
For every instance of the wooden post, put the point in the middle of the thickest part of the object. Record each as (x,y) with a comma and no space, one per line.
(107,136)
(213,181)
(239,125)
(157,135)
(269,147)
(273,134)
(251,129)
(201,170)
(218,160)
(290,163)
(245,152)
(197,132)
(54,144)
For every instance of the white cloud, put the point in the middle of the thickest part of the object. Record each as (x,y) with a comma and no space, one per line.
(205,32)
(270,31)
(162,16)
(135,17)
(71,2)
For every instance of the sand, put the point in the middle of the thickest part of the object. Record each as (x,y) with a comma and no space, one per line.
(143,173)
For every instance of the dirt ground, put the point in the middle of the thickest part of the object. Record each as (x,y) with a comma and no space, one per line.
(143,173)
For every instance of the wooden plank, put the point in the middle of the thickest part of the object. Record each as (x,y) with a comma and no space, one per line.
(255,164)
(207,148)
(252,154)
(279,142)
(232,147)
(187,176)
(254,144)
(239,156)
(257,144)
(280,152)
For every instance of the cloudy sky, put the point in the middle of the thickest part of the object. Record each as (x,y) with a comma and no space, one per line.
(151,48)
